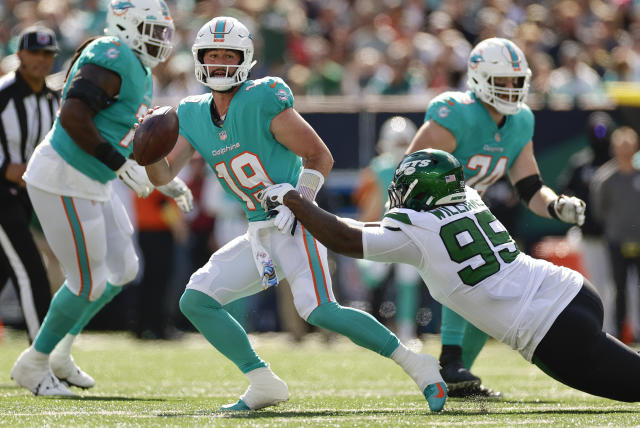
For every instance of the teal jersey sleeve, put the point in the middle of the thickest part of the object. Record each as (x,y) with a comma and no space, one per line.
(116,122)
(271,94)
(450,110)
(243,152)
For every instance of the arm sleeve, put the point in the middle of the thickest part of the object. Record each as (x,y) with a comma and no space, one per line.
(382,244)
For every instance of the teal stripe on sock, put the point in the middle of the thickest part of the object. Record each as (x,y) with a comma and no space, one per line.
(81,247)
(64,311)
(319,279)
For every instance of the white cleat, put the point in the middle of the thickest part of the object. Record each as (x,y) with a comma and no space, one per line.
(267,389)
(68,372)
(36,376)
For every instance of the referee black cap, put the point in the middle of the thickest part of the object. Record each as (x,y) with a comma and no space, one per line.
(38,38)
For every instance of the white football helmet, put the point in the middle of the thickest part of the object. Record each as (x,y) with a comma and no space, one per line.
(145,26)
(497,57)
(223,32)
(396,134)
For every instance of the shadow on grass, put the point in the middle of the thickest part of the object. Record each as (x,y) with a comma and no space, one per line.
(113,398)
(558,412)
(292,414)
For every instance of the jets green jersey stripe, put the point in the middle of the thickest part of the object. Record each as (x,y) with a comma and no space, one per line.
(242,152)
(115,123)
(485,150)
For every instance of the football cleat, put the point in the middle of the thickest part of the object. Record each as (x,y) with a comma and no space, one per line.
(37,376)
(436,395)
(65,369)
(479,391)
(266,390)
(424,369)
(457,377)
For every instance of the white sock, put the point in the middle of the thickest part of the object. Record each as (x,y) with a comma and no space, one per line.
(257,375)
(401,355)
(38,357)
(64,346)
(424,369)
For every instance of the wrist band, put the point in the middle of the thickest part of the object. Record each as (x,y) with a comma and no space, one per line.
(108,155)
(309,183)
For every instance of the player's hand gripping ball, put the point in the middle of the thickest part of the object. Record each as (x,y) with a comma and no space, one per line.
(156,135)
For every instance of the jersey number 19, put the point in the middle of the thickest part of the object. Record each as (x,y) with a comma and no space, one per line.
(249,172)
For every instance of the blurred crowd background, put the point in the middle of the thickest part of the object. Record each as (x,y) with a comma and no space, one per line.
(388,47)
(584,55)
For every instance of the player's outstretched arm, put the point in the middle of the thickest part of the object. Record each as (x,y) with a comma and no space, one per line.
(337,234)
(433,136)
(163,171)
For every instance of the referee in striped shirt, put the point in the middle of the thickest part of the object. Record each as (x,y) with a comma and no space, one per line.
(27,111)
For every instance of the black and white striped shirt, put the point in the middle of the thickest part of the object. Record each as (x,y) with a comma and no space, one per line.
(25,118)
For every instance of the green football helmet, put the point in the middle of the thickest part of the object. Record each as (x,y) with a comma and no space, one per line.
(426,179)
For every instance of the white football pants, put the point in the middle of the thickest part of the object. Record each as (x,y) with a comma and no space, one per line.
(91,239)
(231,273)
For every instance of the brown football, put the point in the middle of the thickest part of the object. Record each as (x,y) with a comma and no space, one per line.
(156,135)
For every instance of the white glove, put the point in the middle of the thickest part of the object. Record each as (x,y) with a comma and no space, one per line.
(568,209)
(271,197)
(285,221)
(135,176)
(180,193)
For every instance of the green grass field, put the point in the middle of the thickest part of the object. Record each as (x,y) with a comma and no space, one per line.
(334,383)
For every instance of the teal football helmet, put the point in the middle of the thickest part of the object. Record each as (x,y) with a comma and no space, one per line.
(426,179)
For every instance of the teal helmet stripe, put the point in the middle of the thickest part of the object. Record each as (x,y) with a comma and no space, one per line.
(218,31)
(514,56)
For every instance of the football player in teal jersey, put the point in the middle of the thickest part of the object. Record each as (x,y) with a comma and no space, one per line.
(550,314)
(251,136)
(69,176)
(371,197)
(489,129)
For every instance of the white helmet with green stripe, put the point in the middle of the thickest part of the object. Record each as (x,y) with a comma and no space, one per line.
(223,32)
(493,58)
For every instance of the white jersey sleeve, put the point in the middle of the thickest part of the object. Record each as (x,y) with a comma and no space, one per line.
(387,244)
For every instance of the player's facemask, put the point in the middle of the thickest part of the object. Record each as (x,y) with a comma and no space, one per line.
(426,179)
(491,63)
(145,26)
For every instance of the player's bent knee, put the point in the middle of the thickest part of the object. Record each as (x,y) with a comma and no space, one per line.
(323,315)
(193,303)
(127,274)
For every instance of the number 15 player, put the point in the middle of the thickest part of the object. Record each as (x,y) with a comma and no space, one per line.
(489,130)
